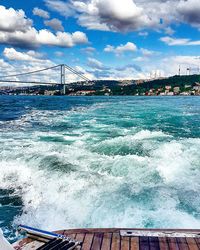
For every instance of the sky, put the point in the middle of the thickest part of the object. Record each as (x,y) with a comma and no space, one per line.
(102,39)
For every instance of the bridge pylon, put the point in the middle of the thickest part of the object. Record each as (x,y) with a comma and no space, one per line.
(62,77)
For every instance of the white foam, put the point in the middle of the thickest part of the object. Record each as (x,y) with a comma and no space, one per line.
(98,189)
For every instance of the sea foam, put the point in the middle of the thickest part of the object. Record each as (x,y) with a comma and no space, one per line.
(96,172)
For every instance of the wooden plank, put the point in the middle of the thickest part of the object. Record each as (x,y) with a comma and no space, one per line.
(197,240)
(87,241)
(80,237)
(60,231)
(125,242)
(116,230)
(154,243)
(192,243)
(173,245)
(182,243)
(115,241)
(163,244)
(97,240)
(106,244)
(134,243)
(144,243)
(71,235)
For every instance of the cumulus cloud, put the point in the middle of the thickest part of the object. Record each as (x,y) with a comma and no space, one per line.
(189,11)
(12,54)
(13,20)
(41,13)
(17,30)
(121,15)
(64,8)
(179,41)
(129,15)
(129,46)
(33,38)
(55,24)
(111,15)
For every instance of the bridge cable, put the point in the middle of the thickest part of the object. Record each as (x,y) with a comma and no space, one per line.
(31,72)
(77,73)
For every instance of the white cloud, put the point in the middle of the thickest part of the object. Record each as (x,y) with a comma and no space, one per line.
(79,37)
(187,60)
(120,15)
(85,73)
(147,53)
(64,8)
(184,62)
(129,15)
(55,24)
(189,12)
(89,50)
(179,41)
(23,62)
(111,15)
(4,65)
(17,30)
(165,66)
(12,54)
(169,65)
(169,31)
(95,64)
(34,38)
(128,47)
(41,13)
(13,20)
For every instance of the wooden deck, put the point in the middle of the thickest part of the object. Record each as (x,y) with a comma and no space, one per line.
(110,239)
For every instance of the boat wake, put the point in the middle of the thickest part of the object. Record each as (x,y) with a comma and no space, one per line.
(94,171)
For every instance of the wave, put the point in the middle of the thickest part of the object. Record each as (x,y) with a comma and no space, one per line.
(97,165)
(72,186)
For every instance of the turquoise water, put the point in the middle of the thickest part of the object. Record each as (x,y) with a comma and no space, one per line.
(68,162)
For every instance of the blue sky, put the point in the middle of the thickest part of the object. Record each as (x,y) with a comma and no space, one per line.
(104,39)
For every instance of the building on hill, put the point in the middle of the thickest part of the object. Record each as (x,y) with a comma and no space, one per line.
(176,90)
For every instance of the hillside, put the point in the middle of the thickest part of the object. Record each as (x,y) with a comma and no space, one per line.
(113,87)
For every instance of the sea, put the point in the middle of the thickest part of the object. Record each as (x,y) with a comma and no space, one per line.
(82,162)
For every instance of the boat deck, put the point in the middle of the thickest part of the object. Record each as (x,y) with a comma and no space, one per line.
(110,239)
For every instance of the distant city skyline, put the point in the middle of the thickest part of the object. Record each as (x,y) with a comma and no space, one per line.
(103,39)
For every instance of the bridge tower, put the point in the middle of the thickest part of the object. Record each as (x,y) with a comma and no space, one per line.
(62,77)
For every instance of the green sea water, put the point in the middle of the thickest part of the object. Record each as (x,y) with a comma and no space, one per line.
(68,162)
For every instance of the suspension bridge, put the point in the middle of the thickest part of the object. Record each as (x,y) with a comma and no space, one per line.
(63,68)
